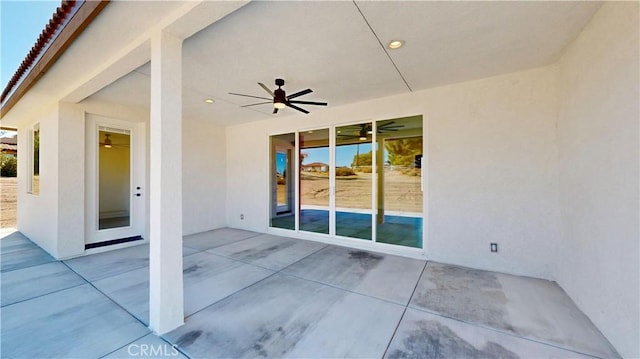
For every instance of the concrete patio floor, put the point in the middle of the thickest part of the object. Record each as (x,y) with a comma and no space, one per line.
(256,295)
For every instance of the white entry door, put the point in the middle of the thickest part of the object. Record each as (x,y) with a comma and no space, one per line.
(115,179)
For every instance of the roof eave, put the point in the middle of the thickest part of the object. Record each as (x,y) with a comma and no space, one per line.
(85,14)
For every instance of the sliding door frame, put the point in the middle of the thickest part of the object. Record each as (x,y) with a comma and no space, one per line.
(332,237)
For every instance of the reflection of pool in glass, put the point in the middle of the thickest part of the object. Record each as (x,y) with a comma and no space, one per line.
(399,230)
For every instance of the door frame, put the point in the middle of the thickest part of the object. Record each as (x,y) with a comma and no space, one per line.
(288,207)
(137,208)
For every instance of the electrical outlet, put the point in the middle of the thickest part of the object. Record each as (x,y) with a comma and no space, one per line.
(241,216)
(494,247)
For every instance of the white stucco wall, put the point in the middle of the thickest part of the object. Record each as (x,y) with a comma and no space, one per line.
(493,173)
(203,176)
(491,167)
(38,214)
(71,185)
(54,219)
(598,147)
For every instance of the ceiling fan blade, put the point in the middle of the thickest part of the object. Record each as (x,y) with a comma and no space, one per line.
(266,89)
(356,128)
(387,124)
(296,107)
(299,93)
(259,103)
(239,94)
(275,110)
(310,103)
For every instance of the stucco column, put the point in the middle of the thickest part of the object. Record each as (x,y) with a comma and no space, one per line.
(166,309)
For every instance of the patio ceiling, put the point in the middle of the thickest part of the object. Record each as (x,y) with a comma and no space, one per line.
(331,48)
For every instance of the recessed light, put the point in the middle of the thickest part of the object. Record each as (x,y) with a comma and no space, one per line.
(209,100)
(396,44)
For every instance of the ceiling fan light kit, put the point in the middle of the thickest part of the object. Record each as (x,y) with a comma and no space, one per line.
(107,140)
(280,99)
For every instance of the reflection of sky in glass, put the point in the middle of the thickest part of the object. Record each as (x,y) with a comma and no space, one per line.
(344,154)
(318,154)
(281,162)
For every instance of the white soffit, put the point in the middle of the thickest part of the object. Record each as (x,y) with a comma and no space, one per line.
(330,48)
(451,41)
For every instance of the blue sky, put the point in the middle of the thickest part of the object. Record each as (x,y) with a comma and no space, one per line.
(20,25)
(344,154)
(21,22)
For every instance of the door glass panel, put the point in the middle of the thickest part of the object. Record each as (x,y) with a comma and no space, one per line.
(282,184)
(35,179)
(114,176)
(314,181)
(353,181)
(400,195)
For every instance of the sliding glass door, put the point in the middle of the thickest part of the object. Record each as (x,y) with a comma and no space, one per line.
(282,180)
(353,181)
(399,182)
(362,181)
(314,180)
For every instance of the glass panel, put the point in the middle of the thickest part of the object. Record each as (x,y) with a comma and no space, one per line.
(282,184)
(314,181)
(35,182)
(399,159)
(353,181)
(114,174)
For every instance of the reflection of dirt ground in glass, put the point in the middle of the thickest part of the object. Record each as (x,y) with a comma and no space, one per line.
(36,184)
(354,193)
(402,192)
(282,195)
(314,191)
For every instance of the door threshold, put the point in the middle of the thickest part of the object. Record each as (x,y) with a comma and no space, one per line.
(112,242)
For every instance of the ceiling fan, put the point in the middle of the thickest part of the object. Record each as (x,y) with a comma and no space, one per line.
(280,99)
(362,131)
(108,142)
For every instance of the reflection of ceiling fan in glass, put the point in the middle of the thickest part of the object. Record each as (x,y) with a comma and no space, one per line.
(363,131)
(108,142)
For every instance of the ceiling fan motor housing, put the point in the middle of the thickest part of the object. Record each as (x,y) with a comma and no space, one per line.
(279,96)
